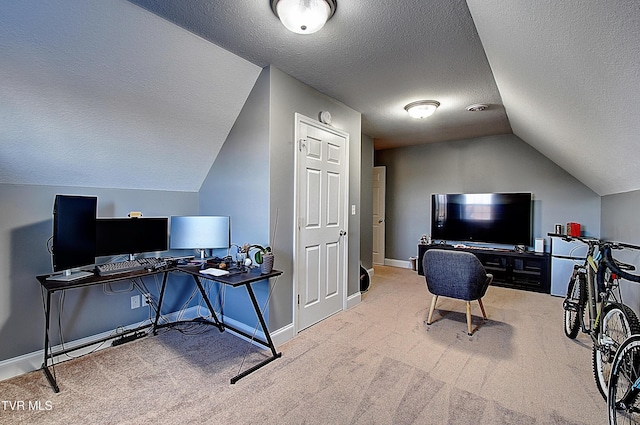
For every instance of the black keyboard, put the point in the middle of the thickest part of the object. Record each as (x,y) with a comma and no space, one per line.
(129,266)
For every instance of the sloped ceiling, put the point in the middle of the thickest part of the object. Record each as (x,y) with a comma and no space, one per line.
(373,56)
(83,81)
(106,94)
(563,75)
(569,76)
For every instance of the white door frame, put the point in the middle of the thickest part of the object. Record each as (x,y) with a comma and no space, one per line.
(379,223)
(298,120)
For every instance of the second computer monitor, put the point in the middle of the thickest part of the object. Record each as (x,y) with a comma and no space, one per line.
(199,232)
(115,236)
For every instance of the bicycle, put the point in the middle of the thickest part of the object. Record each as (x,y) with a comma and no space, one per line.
(594,306)
(624,381)
(624,384)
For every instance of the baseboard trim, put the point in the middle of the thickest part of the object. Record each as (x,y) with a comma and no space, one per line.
(397,263)
(279,336)
(354,300)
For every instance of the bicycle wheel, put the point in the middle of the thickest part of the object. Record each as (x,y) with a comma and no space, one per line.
(574,304)
(623,402)
(617,323)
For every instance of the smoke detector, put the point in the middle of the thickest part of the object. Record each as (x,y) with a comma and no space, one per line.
(477,107)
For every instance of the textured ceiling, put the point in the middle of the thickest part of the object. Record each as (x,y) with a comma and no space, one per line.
(566,72)
(89,83)
(106,94)
(372,56)
(569,76)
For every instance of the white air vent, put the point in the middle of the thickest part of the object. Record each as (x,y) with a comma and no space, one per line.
(476,107)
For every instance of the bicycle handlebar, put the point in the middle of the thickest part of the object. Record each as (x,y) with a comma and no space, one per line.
(588,241)
(616,267)
(594,241)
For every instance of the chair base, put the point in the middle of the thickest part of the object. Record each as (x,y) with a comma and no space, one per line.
(434,299)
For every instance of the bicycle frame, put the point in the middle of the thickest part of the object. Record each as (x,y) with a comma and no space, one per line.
(630,397)
(589,269)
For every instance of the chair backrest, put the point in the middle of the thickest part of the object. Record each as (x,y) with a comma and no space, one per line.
(454,274)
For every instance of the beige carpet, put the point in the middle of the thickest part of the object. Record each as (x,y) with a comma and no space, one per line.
(377,363)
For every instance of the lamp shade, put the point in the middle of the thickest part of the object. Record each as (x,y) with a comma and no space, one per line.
(422,108)
(303,16)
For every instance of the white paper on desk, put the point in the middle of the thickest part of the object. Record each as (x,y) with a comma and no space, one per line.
(214,272)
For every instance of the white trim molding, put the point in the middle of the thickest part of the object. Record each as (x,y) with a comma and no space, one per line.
(397,263)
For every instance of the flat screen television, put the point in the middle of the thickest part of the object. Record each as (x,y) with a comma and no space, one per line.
(500,218)
(117,236)
(200,232)
(74,234)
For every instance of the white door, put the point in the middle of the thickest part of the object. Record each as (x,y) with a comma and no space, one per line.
(321,228)
(379,188)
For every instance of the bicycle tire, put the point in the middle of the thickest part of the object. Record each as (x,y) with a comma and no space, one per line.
(574,304)
(617,323)
(625,370)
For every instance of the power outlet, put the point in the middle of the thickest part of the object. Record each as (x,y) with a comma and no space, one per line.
(135,301)
(145,300)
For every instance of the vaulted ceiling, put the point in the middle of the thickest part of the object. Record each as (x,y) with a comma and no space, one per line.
(563,76)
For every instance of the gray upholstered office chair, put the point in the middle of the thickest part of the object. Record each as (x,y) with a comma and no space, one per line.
(455,274)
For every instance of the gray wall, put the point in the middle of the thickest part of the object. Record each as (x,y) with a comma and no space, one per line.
(489,164)
(620,217)
(253,181)
(238,182)
(238,186)
(26,225)
(287,97)
(366,203)
(620,223)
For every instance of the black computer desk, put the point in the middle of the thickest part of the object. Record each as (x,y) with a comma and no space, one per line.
(235,280)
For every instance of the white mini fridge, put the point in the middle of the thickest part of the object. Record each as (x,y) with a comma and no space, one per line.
(564,255)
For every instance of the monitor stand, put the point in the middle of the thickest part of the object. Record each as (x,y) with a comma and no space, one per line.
(69,276)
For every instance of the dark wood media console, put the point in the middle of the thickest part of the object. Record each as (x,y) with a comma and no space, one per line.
(520,270)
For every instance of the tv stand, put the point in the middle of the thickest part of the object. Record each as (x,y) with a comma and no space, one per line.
(519,270)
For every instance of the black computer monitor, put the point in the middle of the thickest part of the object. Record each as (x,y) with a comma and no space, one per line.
(117,236)
(74,233)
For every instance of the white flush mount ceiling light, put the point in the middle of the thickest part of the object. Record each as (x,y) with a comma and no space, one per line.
(303,16)
(422,108)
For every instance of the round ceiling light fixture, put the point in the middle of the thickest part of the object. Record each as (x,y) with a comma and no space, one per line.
(303,16)
(422,108)
(476,107)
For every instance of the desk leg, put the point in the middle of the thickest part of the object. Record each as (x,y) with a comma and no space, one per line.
(45,363)
(270,344)
(254,301)
(164,285)
(219,325)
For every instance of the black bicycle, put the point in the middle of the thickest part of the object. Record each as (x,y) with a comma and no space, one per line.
(623,400)
(594,305)
(624,382)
